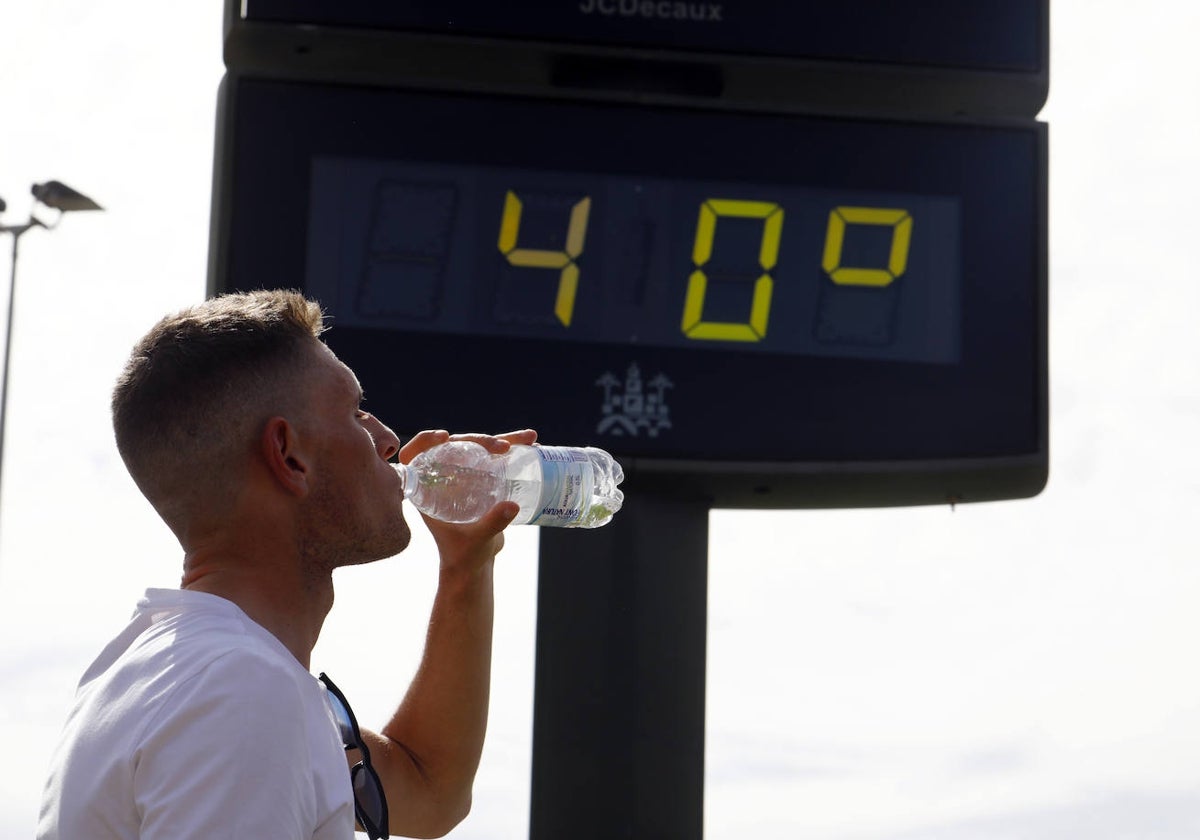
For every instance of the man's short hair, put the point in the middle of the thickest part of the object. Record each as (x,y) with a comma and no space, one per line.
(200,382)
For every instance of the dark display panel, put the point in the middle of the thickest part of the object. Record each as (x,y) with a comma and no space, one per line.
(614,259)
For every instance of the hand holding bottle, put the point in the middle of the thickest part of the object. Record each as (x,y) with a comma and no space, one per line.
(462,479)
(467,546)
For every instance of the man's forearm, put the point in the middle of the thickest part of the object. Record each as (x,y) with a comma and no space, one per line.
(436,735)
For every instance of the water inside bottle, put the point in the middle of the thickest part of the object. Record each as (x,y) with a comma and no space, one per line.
(455,493)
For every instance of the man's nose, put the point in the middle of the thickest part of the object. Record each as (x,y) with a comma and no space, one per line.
(386,442)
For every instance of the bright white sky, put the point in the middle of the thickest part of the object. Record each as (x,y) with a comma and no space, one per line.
(1021,669)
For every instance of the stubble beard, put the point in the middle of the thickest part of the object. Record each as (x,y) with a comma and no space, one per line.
(334,534)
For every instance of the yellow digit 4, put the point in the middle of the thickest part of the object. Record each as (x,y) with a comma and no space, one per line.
(568,278)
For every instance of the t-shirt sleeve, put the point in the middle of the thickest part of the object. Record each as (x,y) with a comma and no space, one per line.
(228,757)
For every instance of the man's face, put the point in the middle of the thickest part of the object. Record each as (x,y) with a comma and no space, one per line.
(354,513)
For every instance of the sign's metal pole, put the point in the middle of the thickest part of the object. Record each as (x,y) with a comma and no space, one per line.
(618,732)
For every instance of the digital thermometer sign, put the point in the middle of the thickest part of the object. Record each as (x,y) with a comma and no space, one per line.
(769,254)
(766,309)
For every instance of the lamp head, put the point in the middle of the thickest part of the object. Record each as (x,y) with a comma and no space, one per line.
(58,196)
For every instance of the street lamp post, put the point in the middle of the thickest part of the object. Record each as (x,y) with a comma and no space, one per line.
(56,196)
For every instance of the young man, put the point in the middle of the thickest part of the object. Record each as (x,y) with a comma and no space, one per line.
(201,720)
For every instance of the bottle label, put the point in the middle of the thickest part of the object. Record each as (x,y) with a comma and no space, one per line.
(564,487)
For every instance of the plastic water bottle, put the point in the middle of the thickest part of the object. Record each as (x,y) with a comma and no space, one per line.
(561,486)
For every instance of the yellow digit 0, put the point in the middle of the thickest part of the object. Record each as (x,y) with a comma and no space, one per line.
(754,329)
(568,278)
(901,224)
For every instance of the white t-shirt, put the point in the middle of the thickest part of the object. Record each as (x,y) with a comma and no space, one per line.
(196,722)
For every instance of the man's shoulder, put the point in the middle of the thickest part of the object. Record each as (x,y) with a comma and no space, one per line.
(203,652)
(196,630)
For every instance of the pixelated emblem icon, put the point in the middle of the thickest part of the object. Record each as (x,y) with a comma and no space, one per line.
(631,407)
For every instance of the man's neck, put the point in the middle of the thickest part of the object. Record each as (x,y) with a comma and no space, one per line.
(287,602)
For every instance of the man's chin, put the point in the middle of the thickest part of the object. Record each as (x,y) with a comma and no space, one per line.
(402,542)
(399,542)
(381,549)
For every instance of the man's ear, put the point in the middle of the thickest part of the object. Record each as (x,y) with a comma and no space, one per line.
(285,459)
